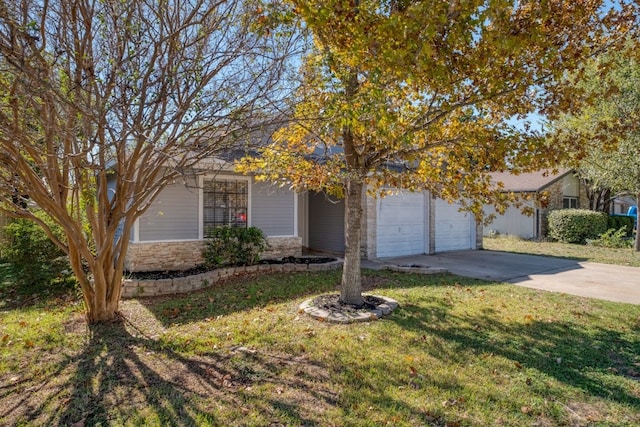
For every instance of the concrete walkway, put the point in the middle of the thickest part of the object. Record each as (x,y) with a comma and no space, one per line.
(587,279)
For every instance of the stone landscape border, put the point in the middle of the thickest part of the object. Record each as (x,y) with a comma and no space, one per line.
(344,317)
(133,288)
(417,269)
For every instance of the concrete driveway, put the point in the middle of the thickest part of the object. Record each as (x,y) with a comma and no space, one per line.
(587,279)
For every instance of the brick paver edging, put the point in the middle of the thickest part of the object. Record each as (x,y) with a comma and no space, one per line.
(145,288)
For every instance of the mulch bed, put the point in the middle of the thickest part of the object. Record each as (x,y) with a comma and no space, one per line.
(331,302)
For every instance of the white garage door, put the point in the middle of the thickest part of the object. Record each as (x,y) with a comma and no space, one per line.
(401,225)
(454,230)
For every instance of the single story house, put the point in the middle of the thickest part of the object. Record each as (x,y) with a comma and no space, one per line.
(170,234)
(547,190)
(621,203)
(404,223)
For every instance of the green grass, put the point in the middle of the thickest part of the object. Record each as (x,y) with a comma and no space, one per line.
(457,352)
(624,256)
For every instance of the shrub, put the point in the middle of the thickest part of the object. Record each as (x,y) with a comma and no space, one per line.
(612,238)
(576,225)
(228,246)
(619,221)
(34,258)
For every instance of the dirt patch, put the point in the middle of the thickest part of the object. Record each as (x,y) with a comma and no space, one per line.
(581,413)
(126,369)
(373,282)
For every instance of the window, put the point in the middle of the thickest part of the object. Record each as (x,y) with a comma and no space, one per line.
(570,202)
(225,203)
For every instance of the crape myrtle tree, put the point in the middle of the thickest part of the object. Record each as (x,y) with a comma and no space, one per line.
(608,129)
(103,103)
(419,95)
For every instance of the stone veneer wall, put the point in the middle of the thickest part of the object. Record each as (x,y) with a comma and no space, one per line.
(479,235)
(554,201)
(283,247)
(369,237)
(151,256)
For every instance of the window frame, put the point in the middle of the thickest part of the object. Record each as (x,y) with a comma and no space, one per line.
(220,177)
(572,200)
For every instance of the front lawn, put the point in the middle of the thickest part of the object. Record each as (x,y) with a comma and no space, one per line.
(457,352)
(563,250)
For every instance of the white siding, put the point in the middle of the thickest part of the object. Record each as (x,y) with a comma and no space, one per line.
(173,215)
(401,225)
(513,223)
(273,210)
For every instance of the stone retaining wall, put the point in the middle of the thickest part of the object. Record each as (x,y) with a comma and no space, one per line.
(145,288)
(280,247)
(153,256)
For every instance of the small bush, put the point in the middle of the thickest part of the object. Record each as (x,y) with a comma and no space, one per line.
(576,225)
(618,221)
(612,238)
(229,246)
(34,258)
(492,234)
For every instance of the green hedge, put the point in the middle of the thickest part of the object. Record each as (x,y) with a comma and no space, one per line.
(576,225)
(229,246)
(34,258)
(617,222)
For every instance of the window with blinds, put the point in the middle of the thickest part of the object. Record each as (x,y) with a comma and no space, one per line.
(225,203)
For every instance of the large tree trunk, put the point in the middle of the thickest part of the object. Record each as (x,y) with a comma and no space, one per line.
(351,285)
(106,302)
(100,279)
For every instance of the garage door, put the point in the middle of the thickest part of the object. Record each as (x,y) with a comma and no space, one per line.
(454,230)
(401,225)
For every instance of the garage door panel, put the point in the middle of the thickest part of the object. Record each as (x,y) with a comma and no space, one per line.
(401,225)
(454,230)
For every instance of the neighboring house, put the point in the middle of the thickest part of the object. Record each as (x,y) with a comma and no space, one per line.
(548,191)
(169,235)
(621,203)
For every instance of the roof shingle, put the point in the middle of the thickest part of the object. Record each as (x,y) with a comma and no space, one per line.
(528,182)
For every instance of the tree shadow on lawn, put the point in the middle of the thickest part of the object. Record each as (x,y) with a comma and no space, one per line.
(122,376)
(238,294)
(578,356)
(254,292)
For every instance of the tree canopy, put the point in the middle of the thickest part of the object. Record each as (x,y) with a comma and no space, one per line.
(103,103)
(607,125)
(420,95)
